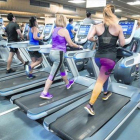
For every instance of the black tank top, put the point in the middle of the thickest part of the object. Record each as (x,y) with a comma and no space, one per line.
(107,45)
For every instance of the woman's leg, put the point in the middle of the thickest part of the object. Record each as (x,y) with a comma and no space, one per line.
(105,86)
(36,62)
(57,58)
(68,83)
(106,67)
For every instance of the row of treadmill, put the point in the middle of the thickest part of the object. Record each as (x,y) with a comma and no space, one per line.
(64,114)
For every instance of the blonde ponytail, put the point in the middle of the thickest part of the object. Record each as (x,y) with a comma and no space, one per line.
(109,16)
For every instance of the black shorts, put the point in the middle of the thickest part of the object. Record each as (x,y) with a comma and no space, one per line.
(35,54)
(14,50)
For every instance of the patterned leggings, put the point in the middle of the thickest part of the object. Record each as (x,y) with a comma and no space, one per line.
(106,66)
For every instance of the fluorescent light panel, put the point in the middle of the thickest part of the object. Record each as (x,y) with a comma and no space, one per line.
(135,15)
(118,10)
(42,17)
(77,1)
(134,3)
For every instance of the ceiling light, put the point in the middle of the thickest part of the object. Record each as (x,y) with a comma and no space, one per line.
(135,15)
(42,17)
(134,3)
(77,1)
(118,10)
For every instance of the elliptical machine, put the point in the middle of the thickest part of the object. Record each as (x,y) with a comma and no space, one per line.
(126,75)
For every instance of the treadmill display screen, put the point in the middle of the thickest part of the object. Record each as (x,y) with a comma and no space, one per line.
(48,29)
(127,27)
(41,27)
(76,27)
(84,30)
(1,21)
(26,27)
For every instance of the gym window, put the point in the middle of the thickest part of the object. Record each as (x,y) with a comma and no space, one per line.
(70,8)
(39,3)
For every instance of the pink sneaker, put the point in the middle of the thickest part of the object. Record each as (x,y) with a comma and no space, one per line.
(71,82)
(46,95)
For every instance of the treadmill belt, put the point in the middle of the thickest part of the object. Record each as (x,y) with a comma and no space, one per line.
(78,124)
(59,92)
(3,72)
(21,80)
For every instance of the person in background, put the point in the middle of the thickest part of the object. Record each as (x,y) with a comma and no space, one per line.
(70,29)
(88,19)
(137,35)
(108,34)
(60,37)
(34,38)
(12,30)
(22,27)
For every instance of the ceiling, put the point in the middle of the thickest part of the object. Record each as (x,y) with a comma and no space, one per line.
(127,10)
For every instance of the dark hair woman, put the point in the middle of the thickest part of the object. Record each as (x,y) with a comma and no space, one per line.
(34,38)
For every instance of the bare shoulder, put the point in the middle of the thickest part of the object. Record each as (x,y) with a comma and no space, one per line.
(64,30)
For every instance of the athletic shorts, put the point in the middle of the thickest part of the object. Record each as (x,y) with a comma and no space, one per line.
(14,50)
(35,54)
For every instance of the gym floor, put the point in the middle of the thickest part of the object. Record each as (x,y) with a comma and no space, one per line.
(15,125)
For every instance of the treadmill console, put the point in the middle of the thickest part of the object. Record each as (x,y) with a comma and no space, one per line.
(48,31)
(41,29)
(25,31)
(1,21)
(81,36)
(129,27)
(76,27)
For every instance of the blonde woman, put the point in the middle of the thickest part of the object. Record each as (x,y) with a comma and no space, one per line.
(60,37)
(108,33)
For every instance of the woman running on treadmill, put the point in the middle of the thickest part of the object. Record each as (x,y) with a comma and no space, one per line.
(60,37)
(34,38)
(108,33)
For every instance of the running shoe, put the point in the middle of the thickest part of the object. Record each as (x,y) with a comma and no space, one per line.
(89,109)
(46,95)
(106,96)
(30,76)
(10,71)
(71,82)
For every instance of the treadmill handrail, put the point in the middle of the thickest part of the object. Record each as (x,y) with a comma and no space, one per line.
(39,47)
(71,54)
(22,44)
(82,55)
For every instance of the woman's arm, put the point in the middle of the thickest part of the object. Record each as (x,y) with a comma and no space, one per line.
(92,34)
(35,34)
(69,41)
(121,37)
(28,34)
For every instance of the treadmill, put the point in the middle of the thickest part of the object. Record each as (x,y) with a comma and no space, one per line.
(36,108)
(19,67)
(74,123)
(18,83)
(4,52)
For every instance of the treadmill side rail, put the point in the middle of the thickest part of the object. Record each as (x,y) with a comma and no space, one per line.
(15,97)
(113,125)
(37,113)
